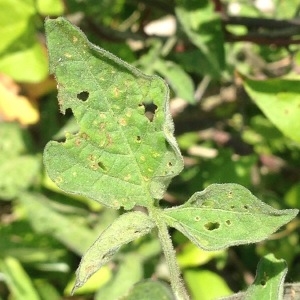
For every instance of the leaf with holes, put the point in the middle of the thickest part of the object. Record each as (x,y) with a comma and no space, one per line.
(125,153)
(224,215)
(125,229)
(269,280)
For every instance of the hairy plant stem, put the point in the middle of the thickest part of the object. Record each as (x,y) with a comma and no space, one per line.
(170,255)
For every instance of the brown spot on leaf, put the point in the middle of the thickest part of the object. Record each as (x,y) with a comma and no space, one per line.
(123,122)
(109,140)
(102,126)
(116,92)
(84,135)
(94,166)
(77,142)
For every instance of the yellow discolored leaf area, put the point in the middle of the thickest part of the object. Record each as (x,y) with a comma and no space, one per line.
(15,107)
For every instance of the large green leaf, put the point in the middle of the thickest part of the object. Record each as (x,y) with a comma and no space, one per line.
(125,229)
(224,215)
(120,156)
(279,99)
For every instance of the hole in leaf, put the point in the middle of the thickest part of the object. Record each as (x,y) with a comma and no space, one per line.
(246,206)
(229,195)
(138,138)
(84,136)
(83,96)
(101,165)
(170,164)
(228,222)
(232,206)
(150,109)
(263,282)
(212,225)
(197,218)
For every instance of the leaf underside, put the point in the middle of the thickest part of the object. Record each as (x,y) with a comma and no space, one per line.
(125,229)
(224,215)
(123,154)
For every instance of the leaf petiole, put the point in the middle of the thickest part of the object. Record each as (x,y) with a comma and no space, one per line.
(170,254)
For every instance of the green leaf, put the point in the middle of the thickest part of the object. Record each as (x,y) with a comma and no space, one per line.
(98,280)
(28,246)
(193,256)
(118,145)
(17,279)
(46,290)
(203,27)
(150,289)
(27,62)
(18,169)
(268,283)
(22,56)
(205,285)
(17,175)
(224,215)
(279,100)
(177,78)
(125,229)
(50,7)
(14,18)
(47,220)
(291,292)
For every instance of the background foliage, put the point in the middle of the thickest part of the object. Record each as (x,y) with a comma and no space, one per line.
(233,69)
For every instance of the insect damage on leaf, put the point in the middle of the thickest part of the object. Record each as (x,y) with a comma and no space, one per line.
(125,153)
(221,215)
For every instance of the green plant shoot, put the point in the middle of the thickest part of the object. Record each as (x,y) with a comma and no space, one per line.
(125,154)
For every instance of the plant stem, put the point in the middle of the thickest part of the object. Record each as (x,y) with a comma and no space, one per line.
(170,255)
